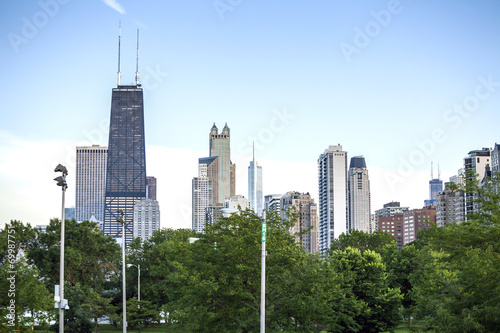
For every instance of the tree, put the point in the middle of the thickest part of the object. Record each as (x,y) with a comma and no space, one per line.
(141,314)
(357,239)
(99,307)
(89,257)
(215,282)
(25,292)
(365,280)
(456,285)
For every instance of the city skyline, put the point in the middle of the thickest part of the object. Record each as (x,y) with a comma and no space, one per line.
(402,83)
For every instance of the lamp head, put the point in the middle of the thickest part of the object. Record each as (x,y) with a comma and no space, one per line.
(227,212)
(61,181)
(61,168)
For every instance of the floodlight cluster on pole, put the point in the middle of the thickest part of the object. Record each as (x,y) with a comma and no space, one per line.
(61,303)
(227,212)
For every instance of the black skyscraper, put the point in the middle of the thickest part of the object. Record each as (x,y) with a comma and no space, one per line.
(126,165)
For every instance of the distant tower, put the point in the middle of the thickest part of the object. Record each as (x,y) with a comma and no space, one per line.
(146,218)
(203,191)
(359,195)
(220,147)
(255,186)
(151,187)
(332,183)
(126,164)
(90,184)
(303,204)
(435,187)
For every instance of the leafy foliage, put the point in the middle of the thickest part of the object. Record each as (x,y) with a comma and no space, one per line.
(457,283)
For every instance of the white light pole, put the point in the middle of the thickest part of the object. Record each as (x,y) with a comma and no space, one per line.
(122,222)
(138,282)
(61,181)
(226,212)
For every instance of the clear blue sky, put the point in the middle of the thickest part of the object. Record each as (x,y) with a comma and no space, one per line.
(379,77)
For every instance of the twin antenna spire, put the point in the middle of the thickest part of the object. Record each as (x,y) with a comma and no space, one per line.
(137,61)
(432,171)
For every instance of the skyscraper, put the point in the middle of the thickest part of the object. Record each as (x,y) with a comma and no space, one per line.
(359,195)
(151,187)
(304,205)
(90,186)
(332,190)
(146,218)
(203,191)
(479,162)
(220,147)
(126,165)
(255,186)
(435,187)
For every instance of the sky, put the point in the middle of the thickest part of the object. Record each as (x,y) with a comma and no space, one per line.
(402,83)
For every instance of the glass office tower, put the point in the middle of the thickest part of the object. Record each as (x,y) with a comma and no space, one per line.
(126,165)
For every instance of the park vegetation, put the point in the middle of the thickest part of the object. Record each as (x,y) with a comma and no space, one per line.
(448,278)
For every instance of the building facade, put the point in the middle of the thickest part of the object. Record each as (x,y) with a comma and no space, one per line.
(479,162)
(151,187)
(415,220)
(332,191)
(126,163)
(359,195)
(272,202)
(390,209)
(237,202)
(304,205)
(146,218)
(450,206)
(393,224)
(90,185)
(495,159)
(203,191)
(220,146)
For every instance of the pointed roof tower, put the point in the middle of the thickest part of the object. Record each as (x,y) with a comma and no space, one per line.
(225,130)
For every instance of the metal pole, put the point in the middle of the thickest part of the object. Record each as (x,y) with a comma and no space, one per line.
(61,269)
(263,290)
(123,281)
(263,277)
(139,284)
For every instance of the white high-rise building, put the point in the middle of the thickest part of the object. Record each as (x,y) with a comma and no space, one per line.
(332,190)
(359,195)
(237,202)
(203,191)
(273,202)
(90,186)
(146,218)
(255,186)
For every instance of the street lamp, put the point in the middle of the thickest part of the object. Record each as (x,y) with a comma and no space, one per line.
(61,181)
(138,282)
(122,222)
(226,212)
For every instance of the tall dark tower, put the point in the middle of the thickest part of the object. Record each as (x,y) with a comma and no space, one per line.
(126,165)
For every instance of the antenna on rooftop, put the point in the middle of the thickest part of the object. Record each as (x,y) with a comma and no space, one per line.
(137,62)
(119,41)
(432,170)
